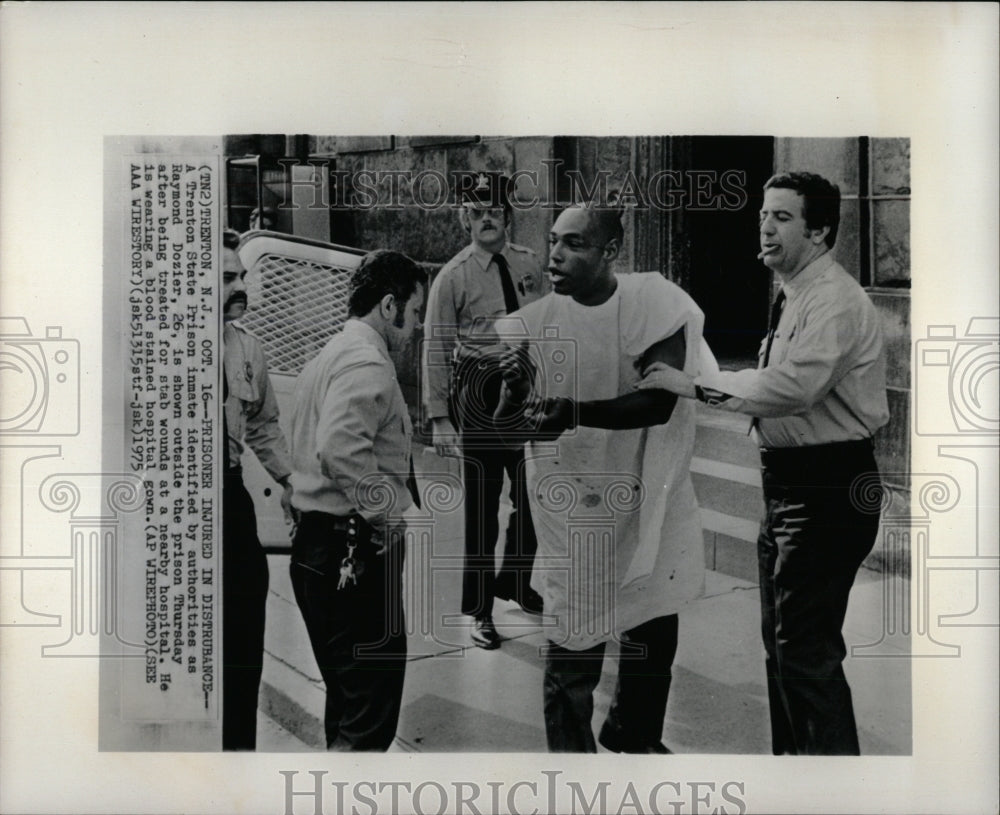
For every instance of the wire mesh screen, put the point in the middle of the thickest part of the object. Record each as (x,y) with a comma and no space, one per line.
(296,306)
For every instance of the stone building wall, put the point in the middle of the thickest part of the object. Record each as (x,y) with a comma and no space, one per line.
(874,245)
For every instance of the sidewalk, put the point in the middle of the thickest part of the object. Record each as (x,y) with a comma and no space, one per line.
(458,698)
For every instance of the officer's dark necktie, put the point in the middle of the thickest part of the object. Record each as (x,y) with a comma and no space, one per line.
(509,297)
(776,309)
(411,485)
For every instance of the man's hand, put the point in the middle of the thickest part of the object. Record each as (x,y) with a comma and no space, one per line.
(445,437)
(662,377)
(551,418)
(518,372)
(291,513)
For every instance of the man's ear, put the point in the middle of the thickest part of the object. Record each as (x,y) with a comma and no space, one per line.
(387,306)
(818,236)
(611,249)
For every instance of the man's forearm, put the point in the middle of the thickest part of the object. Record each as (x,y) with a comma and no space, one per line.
(269,445)
(629,411)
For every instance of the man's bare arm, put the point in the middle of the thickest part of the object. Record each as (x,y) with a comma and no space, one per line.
(631,410)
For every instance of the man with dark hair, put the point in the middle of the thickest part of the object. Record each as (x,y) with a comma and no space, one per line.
(620,548)
(820,200)
(817,397)
(380,273)
(251,418)
(488,279)
(350,433)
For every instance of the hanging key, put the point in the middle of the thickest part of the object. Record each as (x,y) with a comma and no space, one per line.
(347,571)
(347,574)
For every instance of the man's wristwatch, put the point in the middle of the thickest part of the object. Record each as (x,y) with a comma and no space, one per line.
(710,396)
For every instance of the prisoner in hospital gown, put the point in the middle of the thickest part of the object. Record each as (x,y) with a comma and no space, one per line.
(618,525)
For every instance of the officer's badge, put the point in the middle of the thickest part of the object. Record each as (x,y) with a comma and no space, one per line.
(526,284)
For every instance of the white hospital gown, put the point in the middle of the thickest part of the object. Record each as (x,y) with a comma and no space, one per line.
(618,526)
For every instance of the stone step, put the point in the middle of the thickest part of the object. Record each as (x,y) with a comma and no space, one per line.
(725,471)
(726,495)
(726,443)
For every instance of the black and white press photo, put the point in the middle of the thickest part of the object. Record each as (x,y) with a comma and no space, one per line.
(397,424)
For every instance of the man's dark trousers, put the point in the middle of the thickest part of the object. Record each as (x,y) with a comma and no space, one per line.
(483,467)
(635,718)
(816,532)
(244,603)
(357,632)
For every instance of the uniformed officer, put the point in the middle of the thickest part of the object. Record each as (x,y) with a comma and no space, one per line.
(251,418)
(489,278)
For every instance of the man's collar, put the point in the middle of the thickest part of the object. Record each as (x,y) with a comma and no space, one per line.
(807,275)
(483,257)
(229,326)
(359,328)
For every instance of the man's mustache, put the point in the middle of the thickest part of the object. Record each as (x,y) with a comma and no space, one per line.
(236,297)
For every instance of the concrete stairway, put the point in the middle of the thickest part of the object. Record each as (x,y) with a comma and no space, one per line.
(725,471)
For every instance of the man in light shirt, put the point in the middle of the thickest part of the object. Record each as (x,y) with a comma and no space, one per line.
(350,438)
(817,397)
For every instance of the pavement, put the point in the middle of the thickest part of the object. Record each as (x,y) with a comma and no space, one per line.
(459,698)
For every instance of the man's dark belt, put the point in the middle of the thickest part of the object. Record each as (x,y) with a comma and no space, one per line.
(324,542)
(338,523)
(817,463)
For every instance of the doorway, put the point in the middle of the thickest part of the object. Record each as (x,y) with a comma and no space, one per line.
(728,282)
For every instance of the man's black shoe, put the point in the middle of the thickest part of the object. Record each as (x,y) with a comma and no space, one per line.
(484,633)
(531,601)
(612,741)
